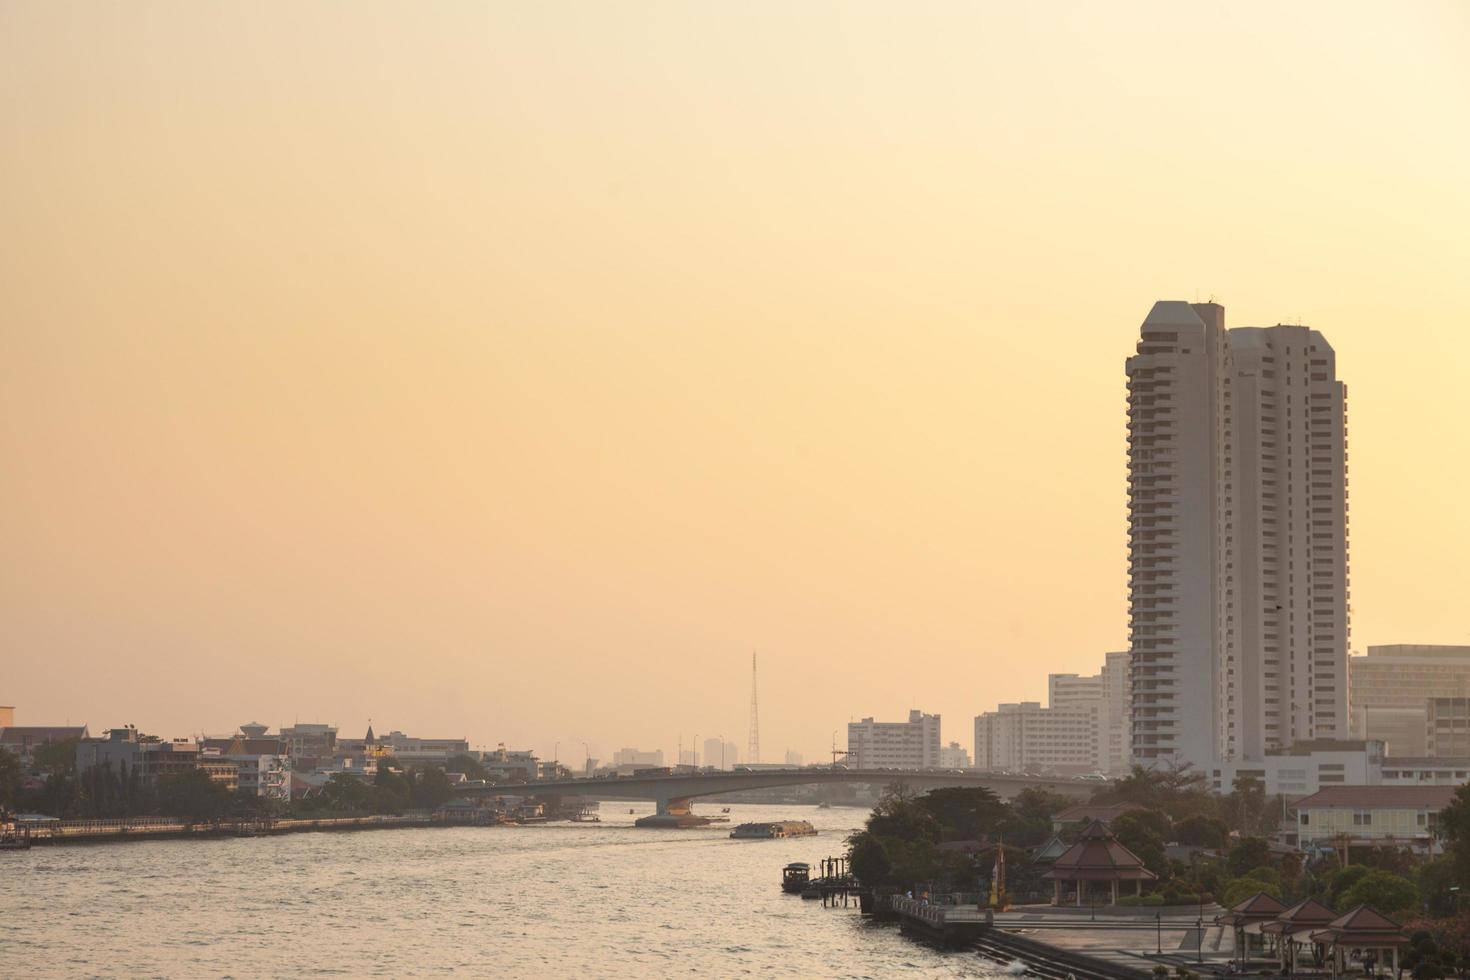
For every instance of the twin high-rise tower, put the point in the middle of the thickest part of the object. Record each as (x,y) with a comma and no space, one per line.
(1237,536)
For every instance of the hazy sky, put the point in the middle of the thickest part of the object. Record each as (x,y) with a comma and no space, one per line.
(514,370)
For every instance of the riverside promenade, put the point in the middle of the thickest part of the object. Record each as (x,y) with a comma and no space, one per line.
(1112,942)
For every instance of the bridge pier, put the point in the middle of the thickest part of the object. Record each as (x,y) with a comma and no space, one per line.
(674,806)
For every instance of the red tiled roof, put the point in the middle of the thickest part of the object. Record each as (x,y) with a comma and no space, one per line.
(1363,925)
(39,734)
(1386,797)
(1306,914)
(1258,908)
(1097,856)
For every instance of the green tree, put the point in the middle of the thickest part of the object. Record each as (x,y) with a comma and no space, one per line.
(1247,855)
(869,859)
(10,781)
(1384,890)
(344,792)
(1343,880)
(1243,888)
(1137,833)
(898,815)
(430,788)
(964,812)
(470,767)
(1202,831)
(191,795)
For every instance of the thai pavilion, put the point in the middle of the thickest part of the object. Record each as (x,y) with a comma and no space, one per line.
(1293,930)
(1360,934)
(1095,859)
(1246,919)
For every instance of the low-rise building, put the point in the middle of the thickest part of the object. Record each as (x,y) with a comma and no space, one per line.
(1357,816)
(22,741)
(147,755)
(1306,768)
(1426,771)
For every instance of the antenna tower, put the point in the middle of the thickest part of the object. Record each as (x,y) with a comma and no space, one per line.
(753,750)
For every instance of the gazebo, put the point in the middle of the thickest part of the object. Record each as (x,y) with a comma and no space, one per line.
(1363,930)
(1097,857)
(1247,918)
(1302,919)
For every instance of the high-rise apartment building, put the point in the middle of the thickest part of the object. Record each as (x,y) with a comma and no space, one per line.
(1238,618)
(912,744)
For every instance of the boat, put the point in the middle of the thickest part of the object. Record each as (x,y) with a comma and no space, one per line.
(773,830)
(794,877)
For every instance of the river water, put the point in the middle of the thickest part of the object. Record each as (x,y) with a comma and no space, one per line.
(558,900)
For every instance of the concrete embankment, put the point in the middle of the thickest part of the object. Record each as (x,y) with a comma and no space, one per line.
(163,828)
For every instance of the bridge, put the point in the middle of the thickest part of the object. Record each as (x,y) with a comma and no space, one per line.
(673,793)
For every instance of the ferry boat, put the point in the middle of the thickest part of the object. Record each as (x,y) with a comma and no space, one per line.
(773,830)
(794,877)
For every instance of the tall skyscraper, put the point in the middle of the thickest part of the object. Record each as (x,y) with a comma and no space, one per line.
(1238,619)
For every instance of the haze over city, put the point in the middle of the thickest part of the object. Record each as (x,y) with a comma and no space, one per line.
(348,373)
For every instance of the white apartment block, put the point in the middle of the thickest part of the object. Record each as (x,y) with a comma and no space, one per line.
(912,744)
(1238,619)
(1028,737)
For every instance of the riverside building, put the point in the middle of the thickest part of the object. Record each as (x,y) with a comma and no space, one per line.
(1237,485)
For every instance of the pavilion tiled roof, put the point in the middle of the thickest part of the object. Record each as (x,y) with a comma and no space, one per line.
(1362,926)
(1260,907)
(1097,856)
(1305,915)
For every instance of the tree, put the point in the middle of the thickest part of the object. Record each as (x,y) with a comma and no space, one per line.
(869,859)
(10,781)
(1343,880)
(1243,888)
(346,792)
(191,795)
(1138,835)
(1247,855)
(1385,891)
(471,768)
(964,812)
(430,788)
(1202,831)
(900,816)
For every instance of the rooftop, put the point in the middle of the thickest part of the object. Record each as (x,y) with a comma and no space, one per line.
(1431,797)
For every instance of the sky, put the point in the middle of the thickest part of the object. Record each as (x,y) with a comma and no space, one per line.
(514,371)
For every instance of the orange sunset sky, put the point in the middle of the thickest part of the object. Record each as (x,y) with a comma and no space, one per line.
(514,370)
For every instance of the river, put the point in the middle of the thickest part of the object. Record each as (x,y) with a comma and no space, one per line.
(558,900)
